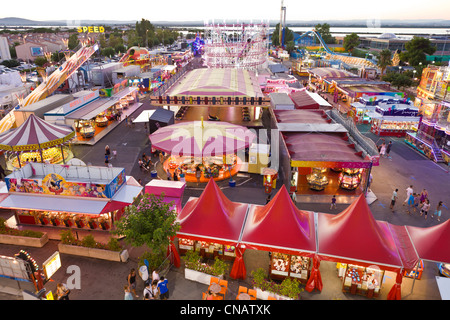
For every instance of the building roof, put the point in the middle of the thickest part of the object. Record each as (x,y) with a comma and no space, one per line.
(331,73)
(208,82)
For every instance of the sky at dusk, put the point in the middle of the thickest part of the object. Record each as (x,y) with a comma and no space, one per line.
(207,10)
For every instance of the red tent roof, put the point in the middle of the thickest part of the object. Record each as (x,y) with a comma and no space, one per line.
(431,243)
(355,235)
(280,225)
(303,100)
(212,216)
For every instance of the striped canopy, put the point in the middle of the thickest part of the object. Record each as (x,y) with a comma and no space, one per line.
(202,139)
(35,134)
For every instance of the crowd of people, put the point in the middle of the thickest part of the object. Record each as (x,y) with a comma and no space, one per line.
(418,202)
(155,288)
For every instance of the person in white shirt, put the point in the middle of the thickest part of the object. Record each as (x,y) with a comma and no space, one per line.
(409,192)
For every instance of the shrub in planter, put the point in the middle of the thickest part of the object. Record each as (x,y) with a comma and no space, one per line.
(192,260)
(288,287)
(89,241)
(4,229)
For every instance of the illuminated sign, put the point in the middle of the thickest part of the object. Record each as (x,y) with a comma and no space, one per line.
(71,106)
(91,29)
(51,265)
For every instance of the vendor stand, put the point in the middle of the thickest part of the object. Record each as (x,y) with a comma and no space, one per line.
(171,191)
(101,120)
(33,137)
(75,197)
(208,147)
(394,126)
(87,129)
(317,180)
(350,178)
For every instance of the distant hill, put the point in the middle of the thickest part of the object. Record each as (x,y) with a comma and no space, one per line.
(14,21)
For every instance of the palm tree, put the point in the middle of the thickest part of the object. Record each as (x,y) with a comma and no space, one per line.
(384,60)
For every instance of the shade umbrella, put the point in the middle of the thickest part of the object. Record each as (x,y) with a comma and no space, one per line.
(35,134)
(202,139)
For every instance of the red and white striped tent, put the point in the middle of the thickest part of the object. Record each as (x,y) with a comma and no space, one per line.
(35,134)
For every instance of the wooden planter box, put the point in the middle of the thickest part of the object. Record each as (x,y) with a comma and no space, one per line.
(198,276)
(264,295)
(93,253)
(24,241)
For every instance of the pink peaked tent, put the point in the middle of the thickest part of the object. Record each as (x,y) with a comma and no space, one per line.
(355,236)
(212,217)
(432,243)
(280,226)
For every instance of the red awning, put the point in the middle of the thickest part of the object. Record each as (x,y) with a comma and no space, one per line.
(303,100)
(280,226)
(355,236)
(431,243)
(212,217)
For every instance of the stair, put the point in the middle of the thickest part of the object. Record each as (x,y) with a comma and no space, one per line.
(437,153)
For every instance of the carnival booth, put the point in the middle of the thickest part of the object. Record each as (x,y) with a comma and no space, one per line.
(431,245)
(63,196)
(36,141)
(210,147)
(286,231)
(170,190)
(211,224)
(364,249)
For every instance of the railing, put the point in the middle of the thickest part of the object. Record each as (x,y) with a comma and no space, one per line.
(367,144)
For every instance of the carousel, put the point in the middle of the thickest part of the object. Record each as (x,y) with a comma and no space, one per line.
(36,141)
(202,150)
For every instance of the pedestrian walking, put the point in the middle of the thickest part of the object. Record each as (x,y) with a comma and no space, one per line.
(388,149)
(114,154)
(411,202)
(268,198)
(333,202)
(163,289)
(369,182)
(62,293)
(393,199)
(161,157)
(148,292)
(106,160)
(294,197)
(383,150)
(126,121)
(198,174)
(423,195)
(438,211)
(107,151)
(155,276)
(128,295)
(169,175)
(416,202)
(155,289)
(425,208)
(131,279)
(409,191)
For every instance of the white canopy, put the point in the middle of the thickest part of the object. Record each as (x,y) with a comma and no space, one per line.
(144,116)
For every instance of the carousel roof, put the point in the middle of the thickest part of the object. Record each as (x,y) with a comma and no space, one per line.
(35,134)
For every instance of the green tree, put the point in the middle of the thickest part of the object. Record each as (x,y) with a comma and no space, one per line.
(73,41)
(384,60)
(102,40)
(324,30)
(40,61)
(57,56)
(120,48)
(290,46)
(288,35)
(351,41)
(145,30)
(416,50)
(150,222)
(108,52)
(399,80)
(10,63)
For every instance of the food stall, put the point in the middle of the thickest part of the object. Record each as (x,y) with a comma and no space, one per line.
(213,234)
(393,125)
(210,147)
(417,272)
(362,268)
(75,197)
(287,265)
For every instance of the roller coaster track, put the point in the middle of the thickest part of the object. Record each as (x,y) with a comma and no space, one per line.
(337,56)
(49,85)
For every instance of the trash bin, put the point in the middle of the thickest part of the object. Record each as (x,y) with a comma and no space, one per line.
(143,272)
(232,183)
(154,174)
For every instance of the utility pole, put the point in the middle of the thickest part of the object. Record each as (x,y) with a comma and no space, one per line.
(281,24)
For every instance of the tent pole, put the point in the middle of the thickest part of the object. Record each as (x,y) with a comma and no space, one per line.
(18,159)
(62,154)
(415,276)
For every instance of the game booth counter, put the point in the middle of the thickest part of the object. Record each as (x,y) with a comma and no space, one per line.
(62,196)
(202,150)
(171,191)
(299,241)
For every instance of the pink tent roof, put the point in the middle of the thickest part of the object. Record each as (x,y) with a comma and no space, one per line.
(280,226)
(35,134)
(212,216)
(355,235)
(301,116)
(432,243)
(202,138)
(303,100)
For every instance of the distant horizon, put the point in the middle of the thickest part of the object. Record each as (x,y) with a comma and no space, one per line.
(256,10)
